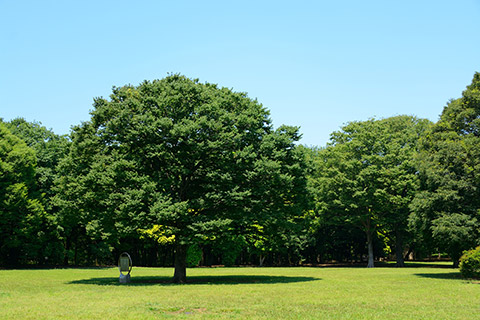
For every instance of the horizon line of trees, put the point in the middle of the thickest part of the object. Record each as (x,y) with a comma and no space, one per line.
(181,173)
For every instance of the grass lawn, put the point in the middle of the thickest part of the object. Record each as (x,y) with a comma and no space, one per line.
(420,291)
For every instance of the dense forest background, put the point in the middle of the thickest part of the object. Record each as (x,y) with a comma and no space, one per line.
(177,172)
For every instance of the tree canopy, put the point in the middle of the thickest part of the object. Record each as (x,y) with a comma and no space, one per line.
(194,161)
(21,210)
(446,210)
(366,176)
(183,173)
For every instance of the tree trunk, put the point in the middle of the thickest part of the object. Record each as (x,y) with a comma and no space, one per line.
(409,252)
(261,260)
(67,249)
(399,247)
(180,274)
(456,263)
(370,249)
(367,225)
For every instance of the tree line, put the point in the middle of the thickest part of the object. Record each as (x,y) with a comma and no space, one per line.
(183,173)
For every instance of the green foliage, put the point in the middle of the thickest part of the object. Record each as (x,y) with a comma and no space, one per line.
(173,164)
(470,263)
(230,247)
(454,233)
(445,210)
(366,177)
(49,150)
(194,255)
(160,233)
(201,161)
(22,214)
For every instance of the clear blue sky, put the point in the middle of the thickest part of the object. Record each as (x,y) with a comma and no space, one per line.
(313,64)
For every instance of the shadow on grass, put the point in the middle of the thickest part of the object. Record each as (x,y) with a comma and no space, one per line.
(444,276)
(34,268)
(193,280)
(415,265)
(382,264)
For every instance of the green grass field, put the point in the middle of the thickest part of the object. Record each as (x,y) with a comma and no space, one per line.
(420,291)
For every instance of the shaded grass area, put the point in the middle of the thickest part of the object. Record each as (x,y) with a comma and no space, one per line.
(418,264)
(416,292)
(443,276)
(215,280)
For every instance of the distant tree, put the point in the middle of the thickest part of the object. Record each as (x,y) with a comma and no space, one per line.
(190,160)
(366,177)
(21,211)
(454,232)
(100,198)
(399,174)
(49,149)
(446,210)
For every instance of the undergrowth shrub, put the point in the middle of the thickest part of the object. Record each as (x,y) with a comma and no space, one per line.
(194,255)
(470,263)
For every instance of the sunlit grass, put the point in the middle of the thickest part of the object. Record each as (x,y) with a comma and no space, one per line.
(416,292)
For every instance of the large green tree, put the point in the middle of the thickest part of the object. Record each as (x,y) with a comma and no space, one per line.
(49,149)
(446,210)
(366,177)
(21,211)
(192,161)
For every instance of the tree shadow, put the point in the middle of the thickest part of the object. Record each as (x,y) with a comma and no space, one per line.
(195,280)
(443,276)
(49,267)
(409,264)
(382,264)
